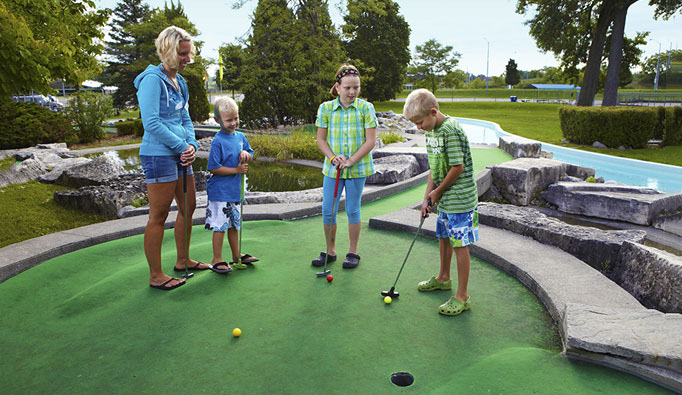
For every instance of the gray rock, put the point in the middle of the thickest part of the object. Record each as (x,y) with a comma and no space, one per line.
(597,144)
(95,172)
(422,158)
(519,147)
(107,199)
(652,276)
(521,180)
(394,168)
(598,248)
(671,223)
(632,204)
(647,342)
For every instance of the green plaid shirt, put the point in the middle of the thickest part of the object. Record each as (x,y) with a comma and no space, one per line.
(346,133)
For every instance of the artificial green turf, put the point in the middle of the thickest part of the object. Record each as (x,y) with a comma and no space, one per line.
(86,322)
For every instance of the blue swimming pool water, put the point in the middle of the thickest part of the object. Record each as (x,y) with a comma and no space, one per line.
(664,178)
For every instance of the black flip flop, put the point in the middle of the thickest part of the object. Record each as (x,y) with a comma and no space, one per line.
(163,286)
(246,258)
(216,269)
(195,267)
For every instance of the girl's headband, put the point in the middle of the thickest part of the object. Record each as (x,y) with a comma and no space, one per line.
(346,72)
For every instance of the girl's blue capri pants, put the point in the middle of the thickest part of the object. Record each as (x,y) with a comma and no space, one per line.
(158,169)
(354,187)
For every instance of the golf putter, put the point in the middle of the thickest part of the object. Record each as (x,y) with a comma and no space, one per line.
(184,195)
(392,293)
(326,271)
(241,228)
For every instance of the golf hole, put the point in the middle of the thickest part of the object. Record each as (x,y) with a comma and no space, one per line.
(402,379)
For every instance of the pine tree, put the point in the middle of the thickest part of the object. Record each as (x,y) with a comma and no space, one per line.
(512,76)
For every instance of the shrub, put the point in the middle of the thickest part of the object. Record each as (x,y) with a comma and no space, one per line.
(127,128)
(296,145)
(24,125)
(87,110)
(672,130)
(612,126)
(390,138)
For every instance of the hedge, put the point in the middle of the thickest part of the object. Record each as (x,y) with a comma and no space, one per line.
(621,126)
(24,125)
(127,128)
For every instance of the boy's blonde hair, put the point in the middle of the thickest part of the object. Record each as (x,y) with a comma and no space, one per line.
(225,104)
(346,69)
(419,103)
(168,44)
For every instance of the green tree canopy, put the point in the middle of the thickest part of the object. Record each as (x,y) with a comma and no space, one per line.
(377,35)
(233,61)
(433,60)
(291,59)
(48,40)
(512,76)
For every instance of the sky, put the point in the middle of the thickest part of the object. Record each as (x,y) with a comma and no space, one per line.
(487,33)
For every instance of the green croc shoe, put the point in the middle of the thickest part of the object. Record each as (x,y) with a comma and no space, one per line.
(454,306)
(434,284)
(238,265)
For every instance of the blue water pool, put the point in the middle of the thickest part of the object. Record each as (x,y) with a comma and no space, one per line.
(664,178)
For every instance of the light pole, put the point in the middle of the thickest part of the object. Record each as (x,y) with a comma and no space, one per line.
(487,63)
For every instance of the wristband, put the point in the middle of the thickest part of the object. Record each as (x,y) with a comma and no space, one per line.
(332,158)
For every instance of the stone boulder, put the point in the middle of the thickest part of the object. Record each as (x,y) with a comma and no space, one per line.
(93,172)
(106,200)
(598,248)
(652,276)
(520,181)
(393,168)
(671,223)
(422,157)
(519,147)
(38,164)
(632,204)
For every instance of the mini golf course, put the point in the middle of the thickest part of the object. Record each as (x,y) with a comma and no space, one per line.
(87,322)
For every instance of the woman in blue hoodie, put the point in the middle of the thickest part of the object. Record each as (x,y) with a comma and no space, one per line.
(168,144)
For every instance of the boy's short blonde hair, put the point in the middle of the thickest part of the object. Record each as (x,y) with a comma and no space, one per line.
(225,104)
(168,44)
(419,103)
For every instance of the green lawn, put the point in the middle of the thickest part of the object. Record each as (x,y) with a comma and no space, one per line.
(504,93)
(538,122)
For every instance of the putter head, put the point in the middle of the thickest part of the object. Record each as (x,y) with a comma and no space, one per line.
(323,273)
(188,275)
(393,294)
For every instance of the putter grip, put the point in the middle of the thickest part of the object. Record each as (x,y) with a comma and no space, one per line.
(184,178)
(338,175)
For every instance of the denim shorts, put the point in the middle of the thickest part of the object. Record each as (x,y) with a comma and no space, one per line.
(159,169)
(460,228)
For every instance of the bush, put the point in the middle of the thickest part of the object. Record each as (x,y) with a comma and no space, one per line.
(127,128)
(612,126)
(390,138)
(672,126)
(24,125)
(87,110)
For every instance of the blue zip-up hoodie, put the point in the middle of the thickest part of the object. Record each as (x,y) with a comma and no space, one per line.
(168,130)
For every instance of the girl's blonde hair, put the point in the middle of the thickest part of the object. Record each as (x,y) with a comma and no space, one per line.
(419,103)
(168,44)
(346,69)
(225,104)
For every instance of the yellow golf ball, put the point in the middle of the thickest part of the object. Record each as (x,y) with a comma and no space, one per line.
(388,300)
(236,332)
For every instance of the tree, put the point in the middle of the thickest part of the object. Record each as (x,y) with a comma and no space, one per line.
(584,25)
(291,58)
(195,75)
(512,76)
(455,79)
(87,110)
(372,28)
(433,60)
(122,50)
(233,63)
(48,40)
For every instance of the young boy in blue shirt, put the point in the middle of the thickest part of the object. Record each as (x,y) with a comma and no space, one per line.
(227,161)
(452,186)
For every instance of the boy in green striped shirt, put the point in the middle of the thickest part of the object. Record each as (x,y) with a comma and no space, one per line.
(452,186)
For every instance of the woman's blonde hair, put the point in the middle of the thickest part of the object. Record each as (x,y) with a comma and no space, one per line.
(346,69)
(419,103)
(168,44)
(225,104)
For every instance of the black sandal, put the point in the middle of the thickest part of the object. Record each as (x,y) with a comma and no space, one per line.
(216,268)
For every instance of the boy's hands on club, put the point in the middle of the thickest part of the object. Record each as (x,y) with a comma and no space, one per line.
(244,156)
(427,208)
(435,196)
(242,167)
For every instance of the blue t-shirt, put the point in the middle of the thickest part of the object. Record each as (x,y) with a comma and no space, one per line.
(225,151)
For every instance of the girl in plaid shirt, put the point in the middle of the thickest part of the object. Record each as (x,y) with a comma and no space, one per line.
(346,133)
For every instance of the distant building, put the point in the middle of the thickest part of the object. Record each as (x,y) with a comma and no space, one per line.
(552,87)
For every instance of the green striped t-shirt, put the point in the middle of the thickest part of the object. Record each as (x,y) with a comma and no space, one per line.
(447,146)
